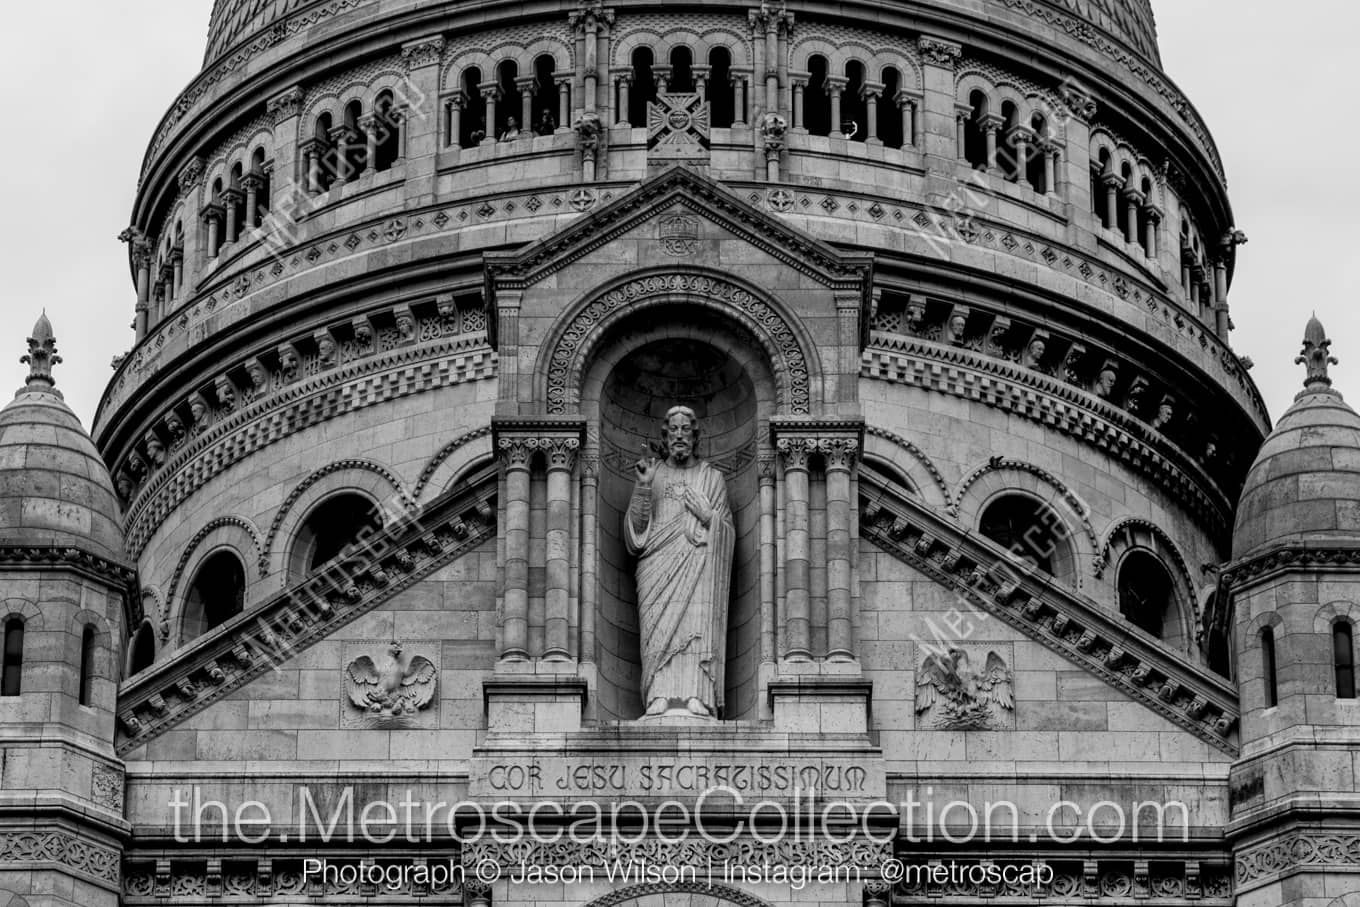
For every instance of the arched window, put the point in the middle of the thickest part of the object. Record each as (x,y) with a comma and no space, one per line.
(13,667)
(545,96)
(143,649)
(853,108)
(891,124)
(87,641)
(1031,530)
(216,595)
(1268,667)
(1218,647)
(507,108)
(975,132)
(1343,659)
(1146,595)
(389,132)
(335,524)
(643,90)
(718,89)
(816,101)
(472,123)
(1035,167)
(682,71)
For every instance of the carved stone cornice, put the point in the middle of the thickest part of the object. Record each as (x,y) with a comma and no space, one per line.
(30,849)
(206,879)
(1310,850)
(838,441)
(252,643)
(105,571)
(1061,619)
(1247,572)
(238,432)
(1060,407)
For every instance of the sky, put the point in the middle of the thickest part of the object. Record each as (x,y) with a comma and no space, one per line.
(86,107)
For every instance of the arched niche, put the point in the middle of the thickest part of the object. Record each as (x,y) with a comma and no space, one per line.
(640,369)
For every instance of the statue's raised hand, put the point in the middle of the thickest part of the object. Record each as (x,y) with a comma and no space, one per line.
(646,471)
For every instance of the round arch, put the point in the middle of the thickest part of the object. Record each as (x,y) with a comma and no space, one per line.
(573,340)
(920,470)
(634,895)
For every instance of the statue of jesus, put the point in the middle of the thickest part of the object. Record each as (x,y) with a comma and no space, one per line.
(679,524)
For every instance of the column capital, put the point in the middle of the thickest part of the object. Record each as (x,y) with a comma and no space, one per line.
(990,122)
(590,15)
(835,85)
(839,453)
(191,177)
(423,52)
(517,439)
(490,90)
(938,51)
(286,104)
(795,451)
(871,89)
(837,440)
(213,212)
(525,83)
(903,97)
(1111,179)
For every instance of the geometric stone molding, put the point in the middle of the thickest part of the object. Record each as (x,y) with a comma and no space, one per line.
(46,849)
(1287,559)
(1056,406)
(1330,613)
(1063,620)
(226,531)
(1114,880)
(23,608)
(635,893)
(917,461)
(1295,852)
(404,554)
(427,474)
(374,382)
(372,479)
(576,340)
(232,879)
(997,470)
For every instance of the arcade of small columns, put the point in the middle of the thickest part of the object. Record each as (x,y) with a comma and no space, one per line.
(344,141)
(785,537)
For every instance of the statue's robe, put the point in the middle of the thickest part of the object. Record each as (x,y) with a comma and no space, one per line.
(683,578)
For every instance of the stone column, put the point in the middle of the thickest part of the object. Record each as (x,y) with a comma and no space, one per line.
(799,81)
(1020,138)
(141,256)
(797,547)
(870,92)
(991,125)
(1113,182)
(840,455)
(1050,152)
(370,126)
(961,116)
(1221,297)
(563,105)
(738,98)
(526,86)
(491,92)
(252,182)
(342,139)
(177,263)
(590,483)
(231,200)
(771,63)
(561,456)
(768,563)
(625,81)
(311,155)
(835,86)
(1133,201)
(906,107)
(212,216)
(455,120)
(515,458)
(1153,218)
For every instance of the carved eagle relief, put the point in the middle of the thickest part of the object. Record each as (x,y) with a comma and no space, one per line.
(960,697)
(394,687)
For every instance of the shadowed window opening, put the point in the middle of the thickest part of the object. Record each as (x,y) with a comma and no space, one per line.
(1343,657)
(14,657)
(217,594)
(1268,667)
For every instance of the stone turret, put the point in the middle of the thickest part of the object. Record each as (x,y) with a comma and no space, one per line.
(63,578)
(1296,603)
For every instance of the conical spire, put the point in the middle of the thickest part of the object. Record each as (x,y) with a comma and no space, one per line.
(1316,357)
(42,354)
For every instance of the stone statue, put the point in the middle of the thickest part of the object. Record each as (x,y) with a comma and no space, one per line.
(679,524)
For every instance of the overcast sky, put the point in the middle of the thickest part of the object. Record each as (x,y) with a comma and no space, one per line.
(90,80)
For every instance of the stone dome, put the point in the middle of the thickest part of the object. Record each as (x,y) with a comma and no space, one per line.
(1304,487)
(234,21)
(55,491)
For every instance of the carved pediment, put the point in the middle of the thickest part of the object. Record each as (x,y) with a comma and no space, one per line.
(674,217)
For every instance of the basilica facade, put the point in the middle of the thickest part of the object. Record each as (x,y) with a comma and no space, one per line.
(624,453)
